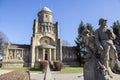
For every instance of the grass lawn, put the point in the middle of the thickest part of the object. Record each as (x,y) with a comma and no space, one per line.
(72,70)
(25,68)
(22,69)
(64,70)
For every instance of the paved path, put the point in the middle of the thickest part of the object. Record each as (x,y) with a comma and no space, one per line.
(58,76)
(55,75)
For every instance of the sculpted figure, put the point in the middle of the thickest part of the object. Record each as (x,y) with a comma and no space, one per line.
(101,58)
(89,60)
(104,37)
(89,40)
(92,62)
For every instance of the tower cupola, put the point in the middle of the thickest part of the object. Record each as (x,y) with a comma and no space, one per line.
(45,15)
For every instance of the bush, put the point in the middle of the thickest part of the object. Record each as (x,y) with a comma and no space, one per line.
(43,65)
(57,65)
(16,75)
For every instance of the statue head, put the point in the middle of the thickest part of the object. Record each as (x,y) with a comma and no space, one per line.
(102,20)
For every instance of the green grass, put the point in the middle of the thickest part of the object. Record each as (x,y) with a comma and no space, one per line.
(72,70)
(64,70)
(34,70)
(22,69)
(25,68)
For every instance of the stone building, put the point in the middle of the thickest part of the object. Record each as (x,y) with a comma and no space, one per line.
(69,56)
(45,45)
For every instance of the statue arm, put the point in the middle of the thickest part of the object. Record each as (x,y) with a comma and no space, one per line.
(111,34)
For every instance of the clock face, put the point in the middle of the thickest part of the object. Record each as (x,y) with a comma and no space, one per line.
(45,40)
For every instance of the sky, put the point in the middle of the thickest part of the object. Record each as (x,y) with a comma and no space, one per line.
(17,16)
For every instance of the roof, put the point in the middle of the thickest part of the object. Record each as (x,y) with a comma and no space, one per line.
(20,45)
(46,9)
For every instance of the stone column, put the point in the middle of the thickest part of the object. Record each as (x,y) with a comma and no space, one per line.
(36,54)
(15,53)
(50,54)
(36,26)
(51,29)
(33,52)
(7,53)
(55,54)
(43,54)
(22,53)
(41,28)
(48,28)
(38,51)
(60,51)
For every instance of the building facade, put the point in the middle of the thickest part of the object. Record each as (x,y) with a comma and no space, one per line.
(45,45)
(45,42)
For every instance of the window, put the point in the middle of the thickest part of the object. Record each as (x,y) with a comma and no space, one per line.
(46,16)
(40,29)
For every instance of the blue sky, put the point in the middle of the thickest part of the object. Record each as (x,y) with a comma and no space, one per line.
(16,16)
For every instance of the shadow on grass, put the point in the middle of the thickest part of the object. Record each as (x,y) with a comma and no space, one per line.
(33,69)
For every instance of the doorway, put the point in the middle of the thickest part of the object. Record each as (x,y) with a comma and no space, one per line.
(46,55)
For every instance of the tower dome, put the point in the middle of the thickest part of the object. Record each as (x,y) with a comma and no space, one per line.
(46,9)
(45,15)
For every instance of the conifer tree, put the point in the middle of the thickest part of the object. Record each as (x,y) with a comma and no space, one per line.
(80,42)
(116,30)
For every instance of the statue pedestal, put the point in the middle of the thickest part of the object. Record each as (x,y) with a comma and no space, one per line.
(116,77)
(89,69)
(14,63)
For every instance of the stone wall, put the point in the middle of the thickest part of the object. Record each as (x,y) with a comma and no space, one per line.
(16,56)
(12,64)
(69,56)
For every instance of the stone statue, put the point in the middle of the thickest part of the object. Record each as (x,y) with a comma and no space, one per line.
(101,59)
(104,37)
(89,65)
(92,62)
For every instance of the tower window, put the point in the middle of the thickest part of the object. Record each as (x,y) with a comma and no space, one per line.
(46,16)
(40,29)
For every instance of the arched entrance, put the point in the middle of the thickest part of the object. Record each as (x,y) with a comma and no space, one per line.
(45,52)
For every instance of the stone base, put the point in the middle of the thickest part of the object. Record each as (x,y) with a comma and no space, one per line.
(37,65)
(13,64)
(116,77)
